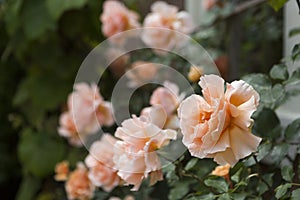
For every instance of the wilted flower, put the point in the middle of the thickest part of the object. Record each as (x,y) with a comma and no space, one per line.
(61,171)
(100,163)
(195,73)
(78,185)
(135,157)
(116,18)
(219,125)
(164,21)
(141,72)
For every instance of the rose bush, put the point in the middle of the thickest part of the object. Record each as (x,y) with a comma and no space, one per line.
(226,141)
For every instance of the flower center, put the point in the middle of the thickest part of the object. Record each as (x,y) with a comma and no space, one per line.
(204,116)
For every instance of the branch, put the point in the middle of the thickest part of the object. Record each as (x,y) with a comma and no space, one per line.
(237,10)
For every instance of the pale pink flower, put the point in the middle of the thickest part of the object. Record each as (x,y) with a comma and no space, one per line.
(88,109)
(116,18)
(135,157)
(209,4)
(219,125)
(141,72)
(68,129)
(168,97)
(163,23)
(100,163)
(78,185)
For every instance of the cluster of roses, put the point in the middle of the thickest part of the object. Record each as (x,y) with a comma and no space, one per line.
(217,125)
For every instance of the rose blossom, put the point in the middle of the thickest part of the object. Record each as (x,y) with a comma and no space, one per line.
(100,163)
(135,156)
(141,72)
(116,18)
(167,96)
(164,102)
(68,130)
(164,21)
(78,185)
(218,125)
(61,171)
(88,108)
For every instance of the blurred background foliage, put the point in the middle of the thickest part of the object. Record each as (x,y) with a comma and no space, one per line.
(42,44)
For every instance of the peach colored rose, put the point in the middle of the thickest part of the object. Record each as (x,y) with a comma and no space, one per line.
(168,97)
(164,21)
(141,72)
(209,4)
(78,185)
(218,125)
(61,171)
(195,73)
(116,18)
(222,170)
(68,130)
(100,163)
(135,157)
(88,108)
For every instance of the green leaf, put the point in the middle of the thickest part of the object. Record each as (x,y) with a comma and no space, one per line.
(277,4)
(12,16)
(294,31)
(225,196)
(39,153)
(295,194)
(263,150)
(191,164)
(28,188)
(236,177)
(287,173)
(239,196)
(296,52)
(209,196)
(36,19)
(279,72)
(294,78)
(218,183)
(57,7)
(179,190)
(292,131)
(279,152)
(267,124)
(260,82)
(281,190)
